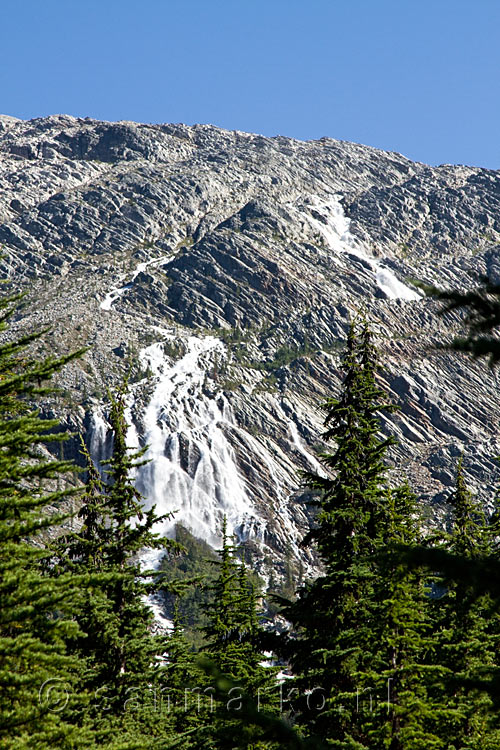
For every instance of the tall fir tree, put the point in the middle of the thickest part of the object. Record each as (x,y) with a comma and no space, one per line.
(185,697)
(403,712)
(467,632)
(358,626)
(124,668)
(329,614)
(233,633)
(38,696)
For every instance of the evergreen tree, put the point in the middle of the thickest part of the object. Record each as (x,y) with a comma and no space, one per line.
(469,566)
(405,713)
(328,649)
(358,627)
(123,658)
(84,549)
(184,689)
(233,648)
(467,632)
(38,700)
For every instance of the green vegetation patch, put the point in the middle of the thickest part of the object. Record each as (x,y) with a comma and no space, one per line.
(195,568)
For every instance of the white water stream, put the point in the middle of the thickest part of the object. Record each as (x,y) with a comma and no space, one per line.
(192,468)
(192,471)
(335,228)
(99,431)
(114,294)
(297,441)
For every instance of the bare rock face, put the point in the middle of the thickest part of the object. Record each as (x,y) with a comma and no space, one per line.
(221,269)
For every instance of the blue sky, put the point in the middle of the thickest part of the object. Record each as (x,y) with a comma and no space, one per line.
(421,77)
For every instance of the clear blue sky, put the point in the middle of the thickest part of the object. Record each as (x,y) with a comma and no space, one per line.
(421,77)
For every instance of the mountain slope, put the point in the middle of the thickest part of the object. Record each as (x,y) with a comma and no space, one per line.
(222,268)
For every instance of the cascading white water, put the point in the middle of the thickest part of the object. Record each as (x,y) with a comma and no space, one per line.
(98,432)
(335,228)
(192,468)
(100,440)
(297,441)
(114,294)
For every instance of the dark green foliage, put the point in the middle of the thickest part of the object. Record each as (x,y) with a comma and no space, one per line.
(360,626)
(329,613)
(482,306)
(465,641)
(465,679)
(233,649)
(186,704)
(232,620)
(272,730)
(481,573)
(349,502)
(36,612)
(193,566)
(469,528)
(194,571)
(401,640)
(469,560)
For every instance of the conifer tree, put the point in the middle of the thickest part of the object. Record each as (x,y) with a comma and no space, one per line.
(234,649)
(470,566)
(184,694)
(38,700)
(358,626)
(467,631)
(123,658)
(329,613)
(84,549)
(401,638)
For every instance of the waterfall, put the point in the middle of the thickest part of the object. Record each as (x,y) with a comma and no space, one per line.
(192,469)
(334,226)
(117,292)
(100,441)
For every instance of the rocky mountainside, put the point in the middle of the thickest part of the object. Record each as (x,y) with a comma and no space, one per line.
(221,269)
